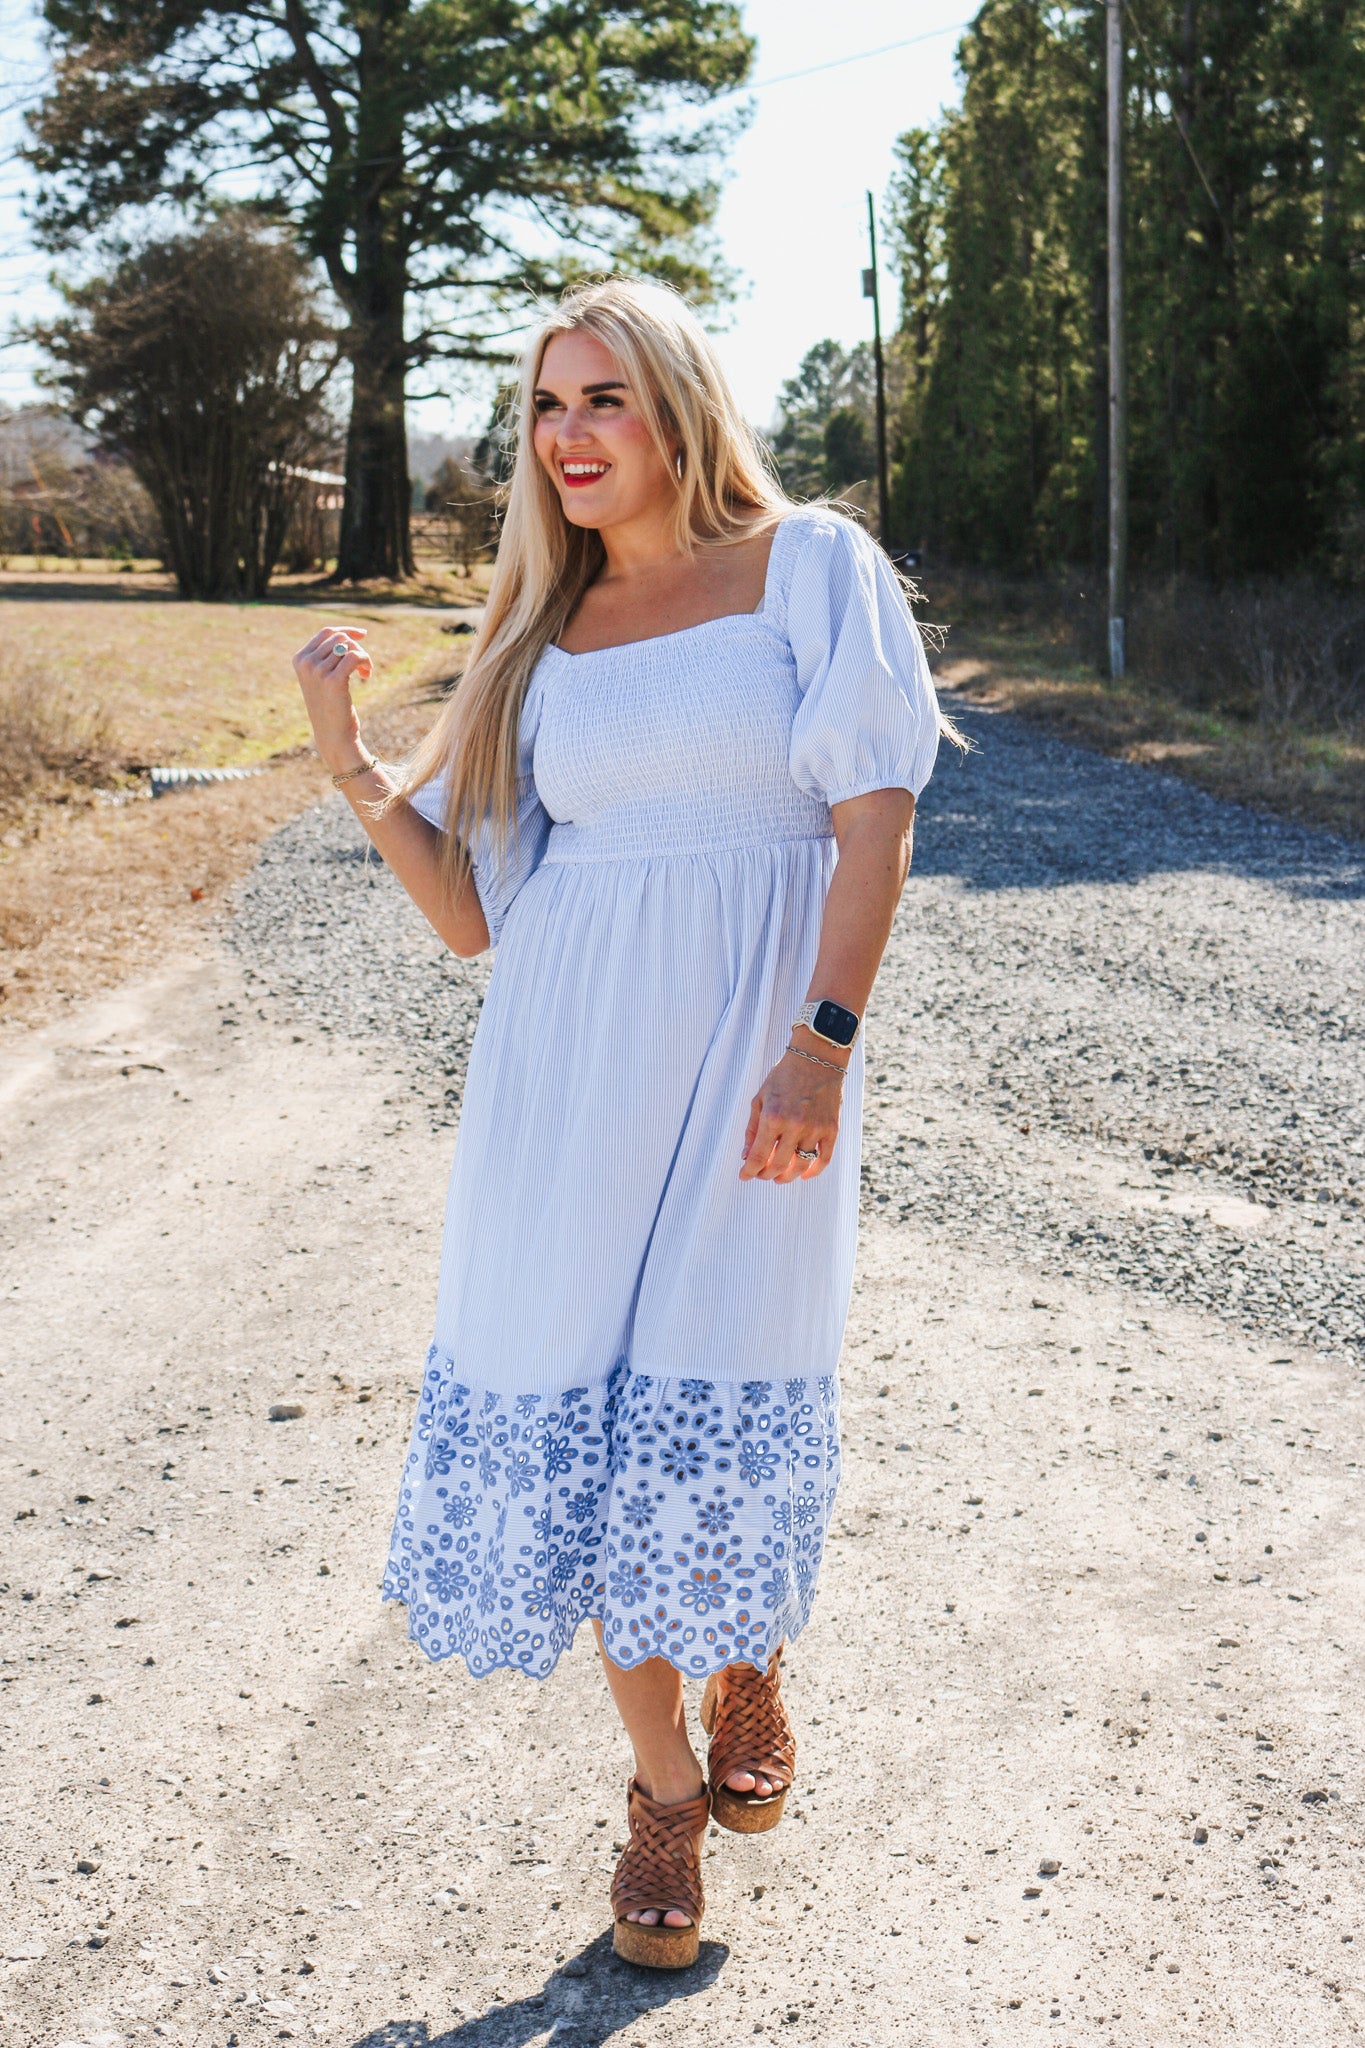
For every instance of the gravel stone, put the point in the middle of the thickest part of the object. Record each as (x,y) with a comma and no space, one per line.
(1091,957)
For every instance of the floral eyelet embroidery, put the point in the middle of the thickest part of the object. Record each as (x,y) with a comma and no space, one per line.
(688,1516)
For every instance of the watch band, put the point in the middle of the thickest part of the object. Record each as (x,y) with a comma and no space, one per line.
(806,1016)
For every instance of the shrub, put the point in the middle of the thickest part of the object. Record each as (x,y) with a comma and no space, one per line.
(1272,653)
(202,358)
(46,738)
(1278,654)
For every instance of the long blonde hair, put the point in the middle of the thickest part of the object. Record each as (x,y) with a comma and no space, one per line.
(725,492)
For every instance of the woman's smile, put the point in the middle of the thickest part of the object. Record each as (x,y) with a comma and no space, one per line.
(577,471)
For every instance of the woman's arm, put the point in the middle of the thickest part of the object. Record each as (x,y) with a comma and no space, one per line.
(799,1103)
(404,840)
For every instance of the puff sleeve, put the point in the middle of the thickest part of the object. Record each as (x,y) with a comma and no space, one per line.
(500,877)
(868,715)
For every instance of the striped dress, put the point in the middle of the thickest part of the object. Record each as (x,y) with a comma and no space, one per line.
(630,1405)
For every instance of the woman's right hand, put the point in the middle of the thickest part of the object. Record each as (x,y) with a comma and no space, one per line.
(325,680)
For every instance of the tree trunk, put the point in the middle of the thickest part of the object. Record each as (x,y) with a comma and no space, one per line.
(376,535)
(376,532)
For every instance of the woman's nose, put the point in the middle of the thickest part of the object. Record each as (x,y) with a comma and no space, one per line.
(574,427)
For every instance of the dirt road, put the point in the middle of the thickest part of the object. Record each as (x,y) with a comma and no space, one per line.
(1080,1706)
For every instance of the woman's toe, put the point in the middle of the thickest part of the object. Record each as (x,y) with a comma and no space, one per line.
(741,1781)
(676,1919)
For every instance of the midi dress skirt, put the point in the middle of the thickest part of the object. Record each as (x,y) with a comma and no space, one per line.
(630,1406)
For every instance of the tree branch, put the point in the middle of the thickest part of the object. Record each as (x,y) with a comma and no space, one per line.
(298,27)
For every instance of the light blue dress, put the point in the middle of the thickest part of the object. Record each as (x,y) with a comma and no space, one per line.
(630,1407)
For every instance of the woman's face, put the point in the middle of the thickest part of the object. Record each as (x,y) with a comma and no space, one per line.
(592,438)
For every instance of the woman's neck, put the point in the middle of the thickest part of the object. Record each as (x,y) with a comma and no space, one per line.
(639,545)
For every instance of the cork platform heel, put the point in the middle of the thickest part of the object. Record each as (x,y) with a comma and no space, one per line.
(742,1712)
(660,1870)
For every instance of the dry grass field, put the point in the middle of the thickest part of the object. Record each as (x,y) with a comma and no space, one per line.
(104,675)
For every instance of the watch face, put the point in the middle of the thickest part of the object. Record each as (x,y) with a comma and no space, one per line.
(834,1022)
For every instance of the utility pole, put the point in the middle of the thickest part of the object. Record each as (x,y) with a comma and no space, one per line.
(870,292)
(1118,369)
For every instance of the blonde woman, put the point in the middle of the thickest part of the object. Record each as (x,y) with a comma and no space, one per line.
(675,790)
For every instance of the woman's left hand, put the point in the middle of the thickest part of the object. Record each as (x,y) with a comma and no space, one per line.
(795,1111)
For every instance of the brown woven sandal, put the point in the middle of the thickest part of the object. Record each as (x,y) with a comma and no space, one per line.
(742,1712)
(660,1869)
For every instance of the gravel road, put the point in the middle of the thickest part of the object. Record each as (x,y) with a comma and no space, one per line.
(1079,1710)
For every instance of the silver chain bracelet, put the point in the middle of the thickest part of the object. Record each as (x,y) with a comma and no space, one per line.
(816,1061)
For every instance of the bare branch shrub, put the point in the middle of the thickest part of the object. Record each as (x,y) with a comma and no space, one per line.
(47,738)
(1276,654)
(202,358)
(467,505)
(1273,654)
(60,495)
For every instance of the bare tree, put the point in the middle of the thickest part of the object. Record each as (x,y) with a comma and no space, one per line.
(59,496)
(202,358)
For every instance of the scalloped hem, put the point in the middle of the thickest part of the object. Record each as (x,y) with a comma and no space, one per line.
(759,1659)
(687,1516)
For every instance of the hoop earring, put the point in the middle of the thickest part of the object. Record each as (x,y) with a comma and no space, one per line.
(678,464)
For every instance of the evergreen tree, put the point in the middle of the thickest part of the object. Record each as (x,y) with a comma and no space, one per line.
(915,218)
(831,381)
(448,154)
(850,456)
(1245,287)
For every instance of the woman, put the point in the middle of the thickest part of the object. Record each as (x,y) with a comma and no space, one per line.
(685,695)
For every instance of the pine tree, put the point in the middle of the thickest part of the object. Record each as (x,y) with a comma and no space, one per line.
(1245,254)
(448,155)
(831,381)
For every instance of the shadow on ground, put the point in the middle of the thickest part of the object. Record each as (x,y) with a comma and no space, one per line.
(583,2004)
(1025,810)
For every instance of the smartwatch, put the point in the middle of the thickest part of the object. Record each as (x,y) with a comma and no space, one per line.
(830,1021)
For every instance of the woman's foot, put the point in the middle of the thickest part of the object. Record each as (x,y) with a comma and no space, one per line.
(678,1790)
(656,1892)
(752,1759)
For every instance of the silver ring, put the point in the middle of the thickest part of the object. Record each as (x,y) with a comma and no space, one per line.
(808,1155)
(341,647)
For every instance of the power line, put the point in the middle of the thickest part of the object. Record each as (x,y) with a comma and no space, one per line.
(855,57)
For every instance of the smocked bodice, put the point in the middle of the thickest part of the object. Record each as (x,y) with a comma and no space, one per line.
(742,732)
(672,746)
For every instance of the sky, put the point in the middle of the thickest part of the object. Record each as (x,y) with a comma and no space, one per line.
(793,219)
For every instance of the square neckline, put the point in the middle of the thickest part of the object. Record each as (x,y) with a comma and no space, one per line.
(760,611)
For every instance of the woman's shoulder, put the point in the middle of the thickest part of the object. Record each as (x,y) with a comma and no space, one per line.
(817,545)
(822,531)
(802,521)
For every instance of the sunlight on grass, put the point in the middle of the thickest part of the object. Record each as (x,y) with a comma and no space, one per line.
(205,686)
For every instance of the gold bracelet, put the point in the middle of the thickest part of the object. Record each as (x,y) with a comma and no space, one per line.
(351,773)
(816,1061)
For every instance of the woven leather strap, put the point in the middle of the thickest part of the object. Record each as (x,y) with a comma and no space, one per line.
(751,1731)
(661,1867)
